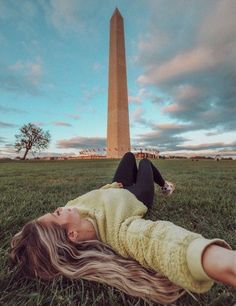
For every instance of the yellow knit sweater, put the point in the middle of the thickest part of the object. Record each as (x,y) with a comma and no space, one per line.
(162,246)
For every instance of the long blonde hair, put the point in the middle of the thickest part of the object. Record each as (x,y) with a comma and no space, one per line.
(46,252)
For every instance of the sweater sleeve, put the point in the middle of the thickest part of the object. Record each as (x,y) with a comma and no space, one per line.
(170,250)
(194,256)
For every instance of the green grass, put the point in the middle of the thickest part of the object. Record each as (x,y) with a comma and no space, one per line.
(204,201)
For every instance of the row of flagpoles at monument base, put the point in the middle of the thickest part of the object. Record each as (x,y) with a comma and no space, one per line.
(101,150)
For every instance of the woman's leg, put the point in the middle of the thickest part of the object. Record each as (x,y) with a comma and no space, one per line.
(126,171)
(166,187)
(138,181)
(158,179)
(143,189)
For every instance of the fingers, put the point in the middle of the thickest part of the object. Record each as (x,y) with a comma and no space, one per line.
(120,185)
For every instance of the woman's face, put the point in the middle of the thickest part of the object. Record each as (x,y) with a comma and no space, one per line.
(62,216)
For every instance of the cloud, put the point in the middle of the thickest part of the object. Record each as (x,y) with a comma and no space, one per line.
(97,67)
(159,140)
(184,99)
(63,15)
(74,16)
(3,40)
(7,125)
(167,140)
(82,143)
(173,128)
(142,94)
(10,10)
(212,133)
(93,110)
(61,123)
(187,92)
(7,150)
(6,109)
(137,116)
(218,29)
(170,137)
(2,139)
(134,99)
(32,71)
(91,93)
(165,136)
(38,123)
(75,117)
(191,61)
(22,77)
(209,146)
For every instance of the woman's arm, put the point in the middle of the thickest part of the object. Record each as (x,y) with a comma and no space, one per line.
(220,264)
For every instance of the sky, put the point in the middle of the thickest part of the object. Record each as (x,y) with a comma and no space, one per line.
(181,73)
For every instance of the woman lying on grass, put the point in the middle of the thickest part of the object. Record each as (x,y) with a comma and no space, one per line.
(102,236)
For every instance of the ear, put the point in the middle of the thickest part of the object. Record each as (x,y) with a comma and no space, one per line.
(73,236)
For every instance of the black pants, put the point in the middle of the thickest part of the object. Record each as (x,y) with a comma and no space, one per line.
(138,181)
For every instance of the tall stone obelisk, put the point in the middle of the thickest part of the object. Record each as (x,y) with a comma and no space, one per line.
(118,136)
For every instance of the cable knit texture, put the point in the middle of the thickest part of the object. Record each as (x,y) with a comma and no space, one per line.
(117,216)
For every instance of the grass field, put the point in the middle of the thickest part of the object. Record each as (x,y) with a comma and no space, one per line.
(204,201)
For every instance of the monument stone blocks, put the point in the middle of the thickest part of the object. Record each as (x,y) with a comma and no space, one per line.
(118,135)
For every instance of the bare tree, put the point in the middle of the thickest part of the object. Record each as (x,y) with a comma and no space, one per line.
(31,137)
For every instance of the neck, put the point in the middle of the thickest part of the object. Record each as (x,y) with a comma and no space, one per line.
(88,231)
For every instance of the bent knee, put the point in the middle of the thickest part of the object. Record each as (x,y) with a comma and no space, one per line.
(129,154)
(144,161)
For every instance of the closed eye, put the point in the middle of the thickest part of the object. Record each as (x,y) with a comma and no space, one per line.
(56,213)
(58,210)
